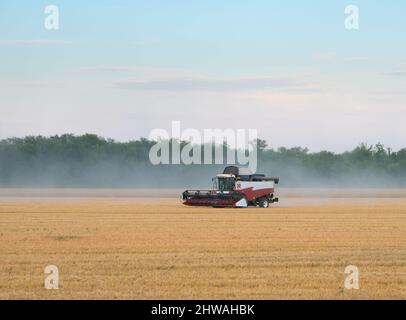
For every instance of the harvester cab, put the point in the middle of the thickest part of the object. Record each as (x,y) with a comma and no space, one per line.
(235,187)
(224,182)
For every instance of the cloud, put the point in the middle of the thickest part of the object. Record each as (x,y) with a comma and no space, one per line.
(109,69)
(146,42)
(210,84)
(35,42)
(396,73)
(360,59)
(144,73)
(325,56)
(181,80)
(33,84)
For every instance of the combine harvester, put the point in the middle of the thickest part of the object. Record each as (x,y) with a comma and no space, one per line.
(235,187)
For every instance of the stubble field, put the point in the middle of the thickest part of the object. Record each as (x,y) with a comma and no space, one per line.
(129,245)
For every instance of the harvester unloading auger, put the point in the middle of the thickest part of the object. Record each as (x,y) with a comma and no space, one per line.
(235,187)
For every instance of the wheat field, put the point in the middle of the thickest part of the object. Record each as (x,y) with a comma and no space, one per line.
(143,247)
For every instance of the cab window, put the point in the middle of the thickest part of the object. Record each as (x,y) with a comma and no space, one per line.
(226,184)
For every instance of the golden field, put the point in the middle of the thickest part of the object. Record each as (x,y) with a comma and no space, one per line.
(129,245)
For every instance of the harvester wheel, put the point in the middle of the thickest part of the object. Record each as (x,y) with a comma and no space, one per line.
(263,203)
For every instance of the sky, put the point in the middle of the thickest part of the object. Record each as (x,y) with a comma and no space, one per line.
(289,69)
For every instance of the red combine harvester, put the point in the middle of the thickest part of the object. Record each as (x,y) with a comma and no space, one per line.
(235,187)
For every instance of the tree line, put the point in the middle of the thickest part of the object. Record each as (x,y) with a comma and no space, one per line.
(91,161)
